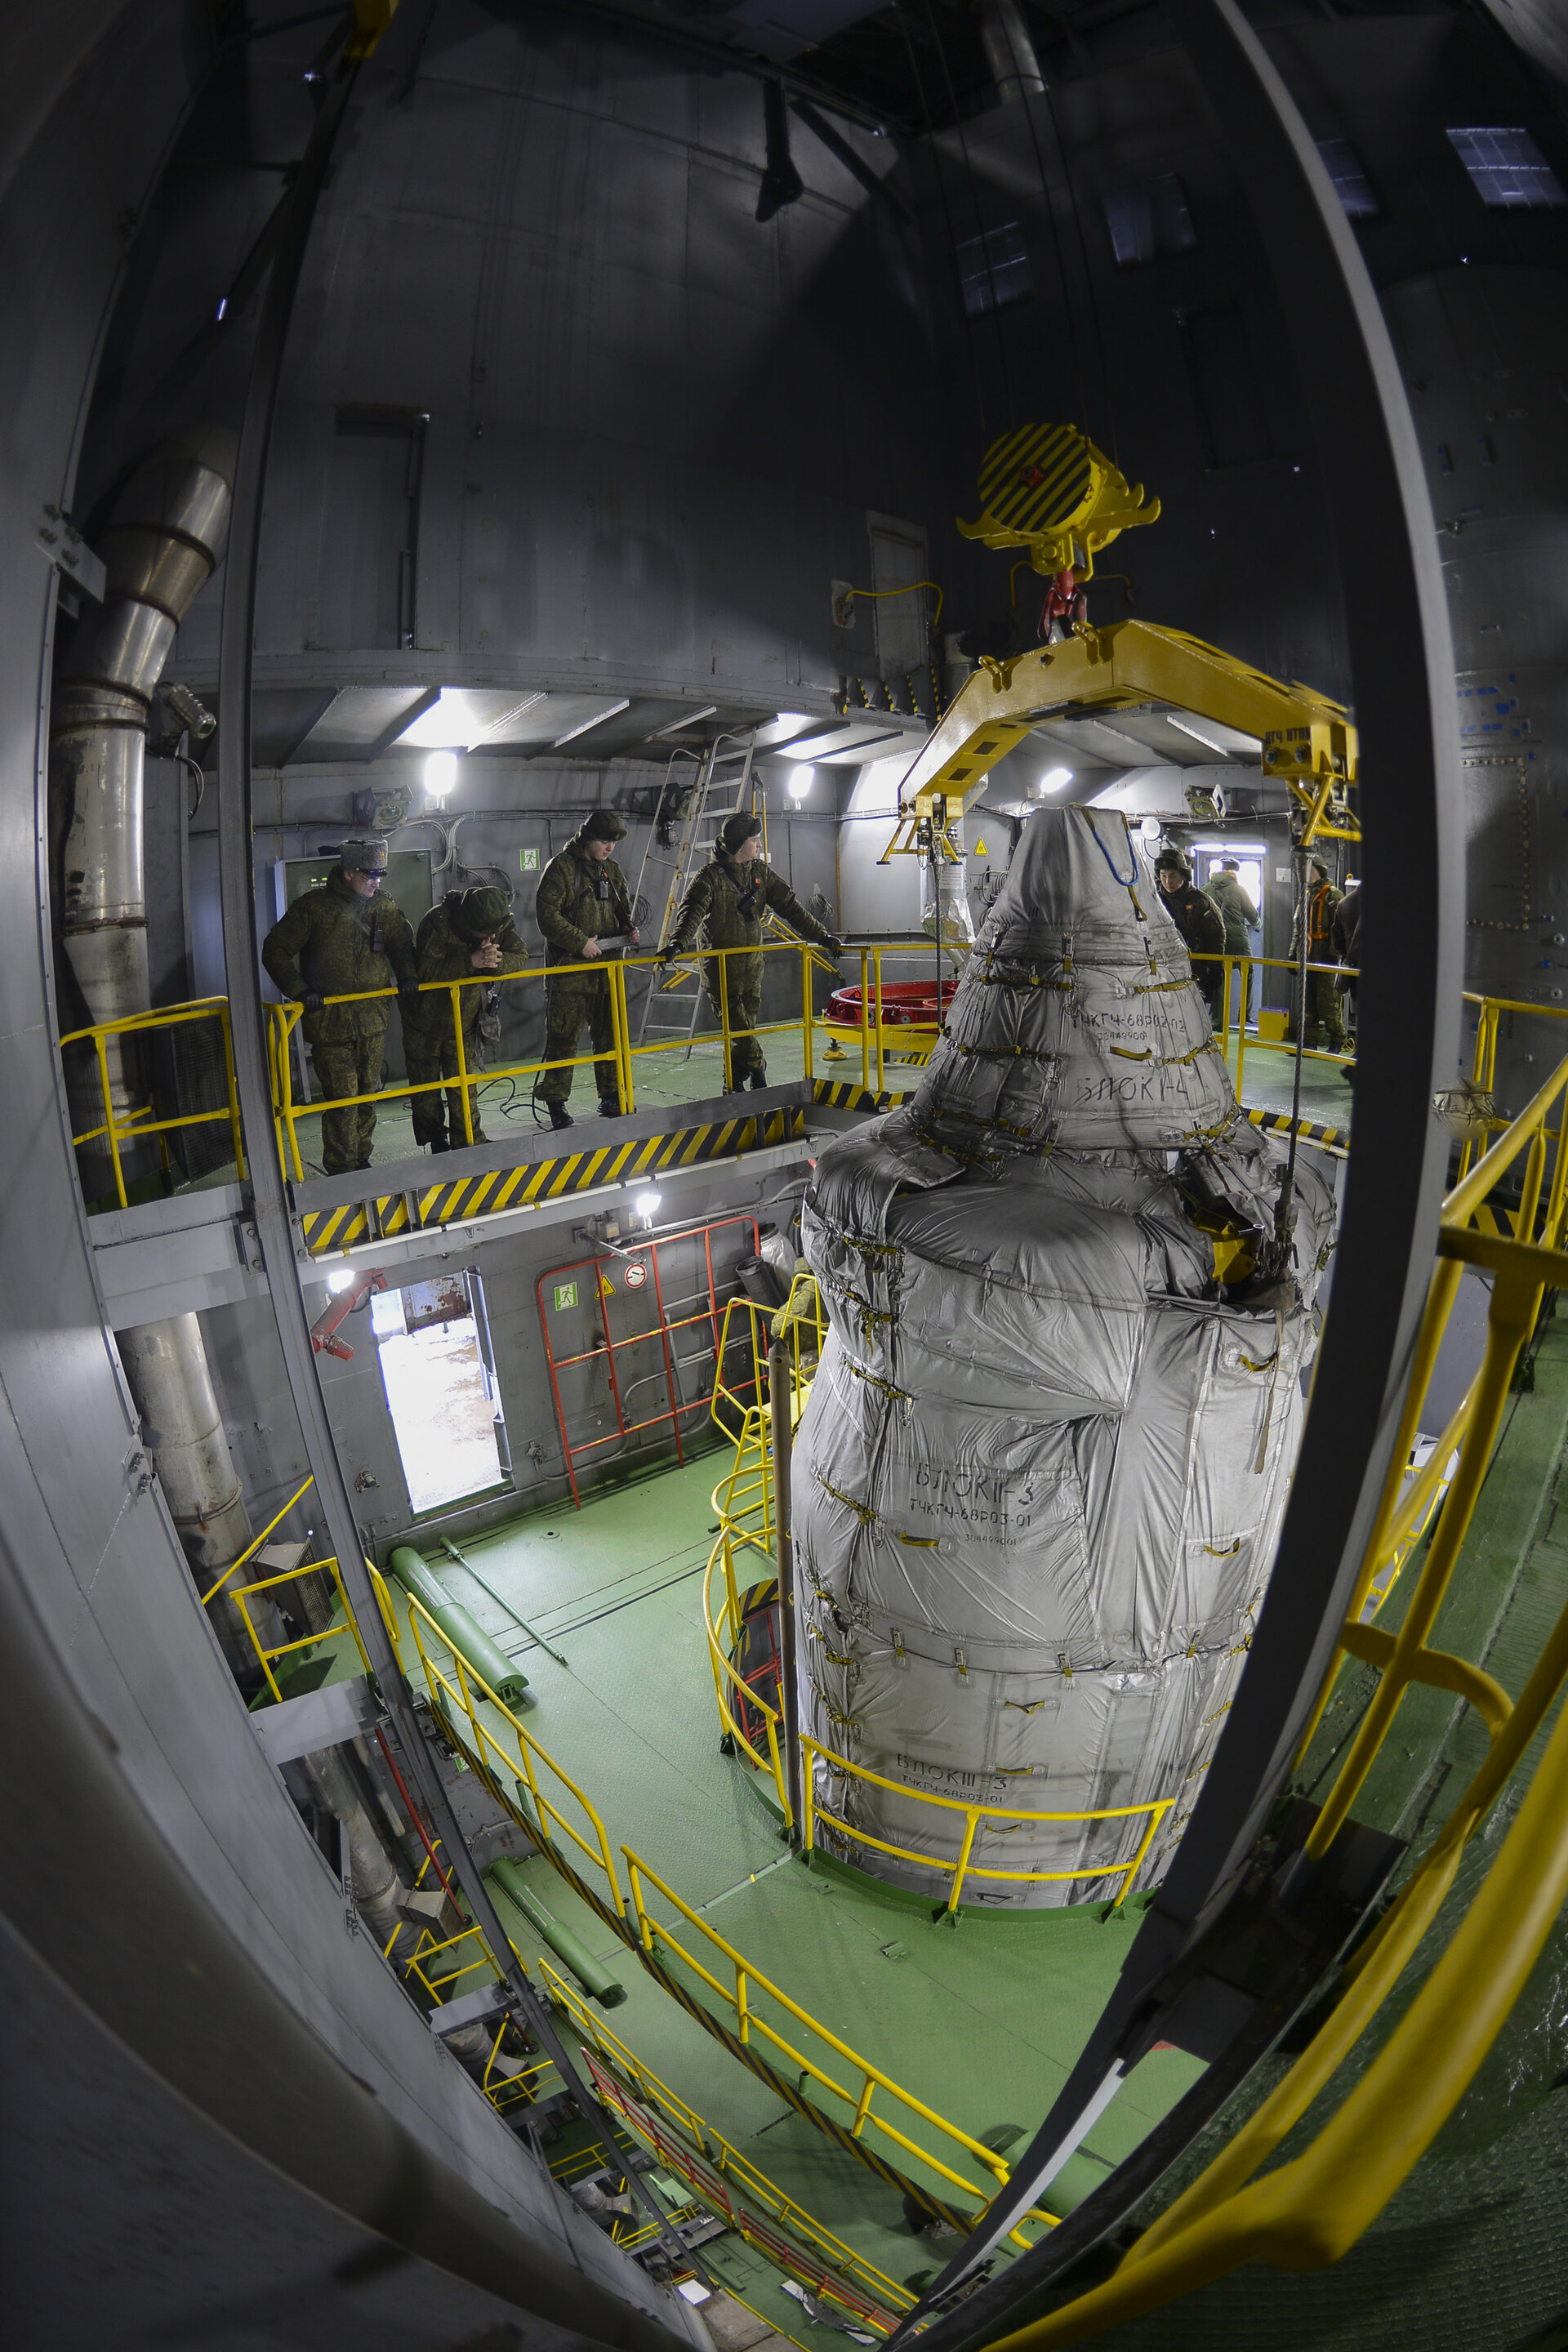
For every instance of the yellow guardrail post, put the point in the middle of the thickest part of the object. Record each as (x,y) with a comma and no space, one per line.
(462,1062)
(807,1016)
(970,1824)
(881,1064)
(234,1124)
(620,1025)
(102,1050)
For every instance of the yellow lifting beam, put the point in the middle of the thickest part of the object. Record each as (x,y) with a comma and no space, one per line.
(1308,742)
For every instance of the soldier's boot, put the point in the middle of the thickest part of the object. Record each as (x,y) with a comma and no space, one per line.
(439,1143)
(560,1116)
(758,1078)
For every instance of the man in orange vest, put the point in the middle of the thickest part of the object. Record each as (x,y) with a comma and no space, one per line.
(1323,1013)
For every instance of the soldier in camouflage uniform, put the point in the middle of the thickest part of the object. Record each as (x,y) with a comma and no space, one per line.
(583,897)
(730,894)
(337,939)
(470,931)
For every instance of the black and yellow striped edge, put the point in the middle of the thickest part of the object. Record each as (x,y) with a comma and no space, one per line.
(1059,455)
(388,1214)
(853,1097)
(1278,1122)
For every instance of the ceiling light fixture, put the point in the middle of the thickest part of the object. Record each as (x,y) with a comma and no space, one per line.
(800,782)
(440,775)
(1054,779)
(646,1206)
(341,1280)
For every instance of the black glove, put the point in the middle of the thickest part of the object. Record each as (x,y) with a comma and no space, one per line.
(407,991)
(834,945)
(312,1001)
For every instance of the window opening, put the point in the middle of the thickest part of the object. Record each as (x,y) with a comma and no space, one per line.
(1150,218)
(440,1389)
(994,270)
(1352,185)
(1507,170)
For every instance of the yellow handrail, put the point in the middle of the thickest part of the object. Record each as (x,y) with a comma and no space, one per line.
(137,1128)
(974,1815)
(750,1982)
(283,1018)
(722,2156)
(465,1695)
(267,1652)
(255,1545)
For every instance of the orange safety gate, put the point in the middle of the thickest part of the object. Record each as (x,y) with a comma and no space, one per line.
(592,1283)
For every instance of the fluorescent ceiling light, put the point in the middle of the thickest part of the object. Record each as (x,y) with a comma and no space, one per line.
(598,718)
(440,774)
(507,718)
(800,782)
(646,1206)
(1211,739)
(1055,778)
(677,726)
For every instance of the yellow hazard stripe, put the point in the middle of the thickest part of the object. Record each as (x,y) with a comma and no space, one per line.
(579,1171)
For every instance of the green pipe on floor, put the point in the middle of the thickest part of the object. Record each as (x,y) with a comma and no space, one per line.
(594,1980)
(472,1643)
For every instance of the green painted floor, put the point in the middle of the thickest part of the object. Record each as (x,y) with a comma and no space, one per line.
(981,2022)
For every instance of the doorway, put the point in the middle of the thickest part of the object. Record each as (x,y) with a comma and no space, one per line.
(433,1341)
(1211,857)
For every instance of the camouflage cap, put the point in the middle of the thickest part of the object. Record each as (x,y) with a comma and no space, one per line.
(475,913)
(363,856)
(1173,860)
(737,829)
(604,824)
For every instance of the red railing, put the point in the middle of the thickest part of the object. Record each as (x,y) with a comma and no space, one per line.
(625,1275)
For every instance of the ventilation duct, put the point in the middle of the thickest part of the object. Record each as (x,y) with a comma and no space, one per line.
(162,543)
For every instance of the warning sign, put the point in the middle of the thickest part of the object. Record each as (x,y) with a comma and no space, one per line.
(566,1296)
(607,1287)
(635,1276)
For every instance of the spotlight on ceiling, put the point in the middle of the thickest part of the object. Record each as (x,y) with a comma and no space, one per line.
(646,1206)
(440,774)
(1150,830)
(800,782)
(1055,778)
(341,1280)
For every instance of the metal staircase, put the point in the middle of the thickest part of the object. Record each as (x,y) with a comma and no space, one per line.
(677,846)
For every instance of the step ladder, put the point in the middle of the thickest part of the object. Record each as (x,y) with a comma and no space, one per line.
(717,783)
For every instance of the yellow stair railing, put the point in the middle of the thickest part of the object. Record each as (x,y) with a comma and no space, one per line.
(708,2162)
(741,1998)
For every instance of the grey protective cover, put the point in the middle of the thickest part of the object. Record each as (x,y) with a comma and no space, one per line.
(1039,1482)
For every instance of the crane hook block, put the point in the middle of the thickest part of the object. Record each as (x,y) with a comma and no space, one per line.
(1048,489)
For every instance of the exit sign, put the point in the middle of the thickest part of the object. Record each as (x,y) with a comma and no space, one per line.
(529,860)
(566,1296)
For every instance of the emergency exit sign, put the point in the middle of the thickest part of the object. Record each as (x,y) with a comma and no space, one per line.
(529,860)
(566,1296)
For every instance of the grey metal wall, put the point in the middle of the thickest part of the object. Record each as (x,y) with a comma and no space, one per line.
(240,2015)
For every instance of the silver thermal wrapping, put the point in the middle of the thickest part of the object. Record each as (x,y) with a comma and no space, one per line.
(1038,1485)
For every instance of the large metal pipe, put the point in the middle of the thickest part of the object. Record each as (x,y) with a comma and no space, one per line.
(1009,50)
(160,545)
(182,1428)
